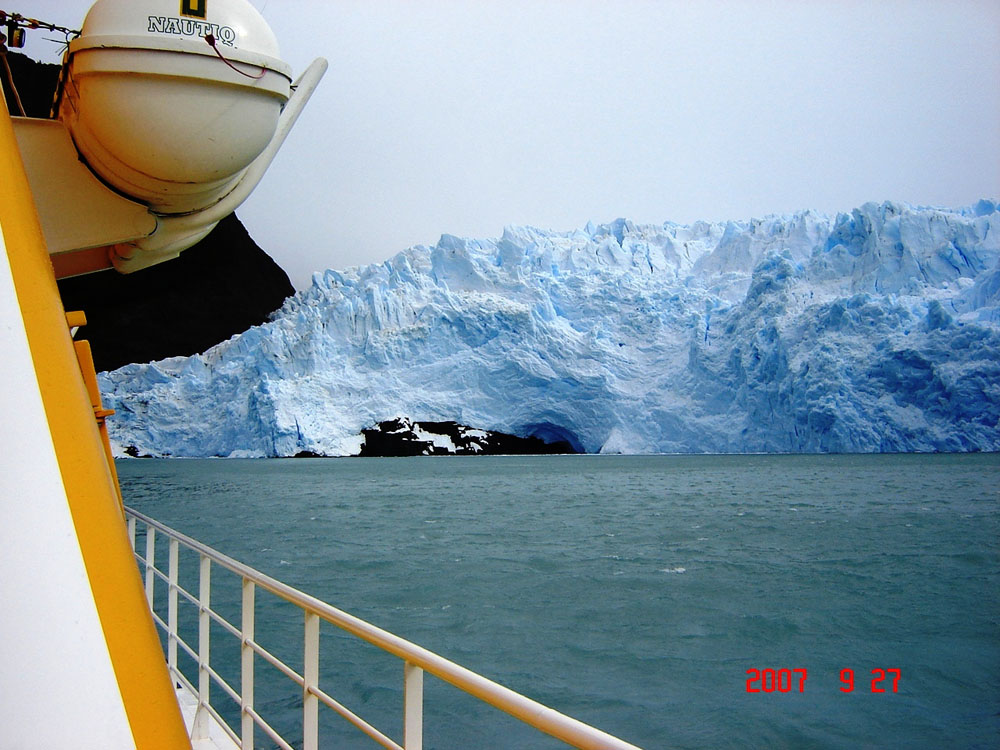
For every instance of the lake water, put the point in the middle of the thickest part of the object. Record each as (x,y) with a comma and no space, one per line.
(633,593)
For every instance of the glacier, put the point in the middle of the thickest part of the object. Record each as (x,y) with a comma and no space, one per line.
(876,330)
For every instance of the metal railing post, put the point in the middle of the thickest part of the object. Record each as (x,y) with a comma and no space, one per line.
(131,531)
(172,567)
(413,707)
(416,661)
(201,717)
(150,563)
(310,676)
(246,666)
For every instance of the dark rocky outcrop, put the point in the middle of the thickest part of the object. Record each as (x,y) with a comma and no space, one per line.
(401,437)
(220,287)
(36,85)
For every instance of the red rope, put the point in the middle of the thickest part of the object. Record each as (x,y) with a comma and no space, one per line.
(211,41)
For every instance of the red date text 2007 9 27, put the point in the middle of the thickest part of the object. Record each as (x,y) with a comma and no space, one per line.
(785,680)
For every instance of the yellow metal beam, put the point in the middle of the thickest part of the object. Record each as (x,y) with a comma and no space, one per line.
(86,361)
(146,689)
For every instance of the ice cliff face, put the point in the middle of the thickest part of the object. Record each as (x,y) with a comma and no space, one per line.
(877,330)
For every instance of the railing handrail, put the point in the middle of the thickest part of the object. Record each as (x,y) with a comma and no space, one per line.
(572,731)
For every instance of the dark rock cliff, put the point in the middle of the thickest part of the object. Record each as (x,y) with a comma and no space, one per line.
(36,85)
(401,437)
(220,287)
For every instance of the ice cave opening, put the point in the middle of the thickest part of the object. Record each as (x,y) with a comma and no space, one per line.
(553,433)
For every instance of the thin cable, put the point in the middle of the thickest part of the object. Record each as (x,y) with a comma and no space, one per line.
(211,42)
(33,23)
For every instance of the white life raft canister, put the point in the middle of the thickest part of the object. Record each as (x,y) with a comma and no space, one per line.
(169,101)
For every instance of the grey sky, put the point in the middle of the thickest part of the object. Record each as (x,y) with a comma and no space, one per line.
(461,117)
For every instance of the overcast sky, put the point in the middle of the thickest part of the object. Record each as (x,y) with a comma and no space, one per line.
(462,117)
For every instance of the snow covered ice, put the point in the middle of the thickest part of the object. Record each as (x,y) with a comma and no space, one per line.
(877,330)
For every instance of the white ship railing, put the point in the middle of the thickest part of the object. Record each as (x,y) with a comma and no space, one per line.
(416,660)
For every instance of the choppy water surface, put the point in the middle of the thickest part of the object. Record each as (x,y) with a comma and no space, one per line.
(633,593)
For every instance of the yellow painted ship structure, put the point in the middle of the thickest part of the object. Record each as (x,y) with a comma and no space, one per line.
(168,113)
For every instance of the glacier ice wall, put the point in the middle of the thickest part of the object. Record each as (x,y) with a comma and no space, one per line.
(877,330)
